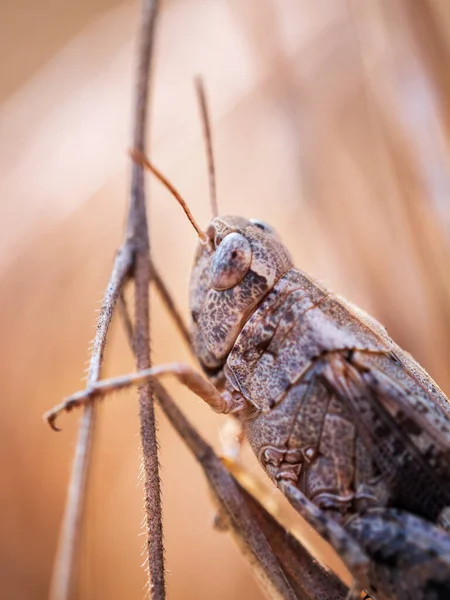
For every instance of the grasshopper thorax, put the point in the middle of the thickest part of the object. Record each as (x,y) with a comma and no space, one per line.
(238,265)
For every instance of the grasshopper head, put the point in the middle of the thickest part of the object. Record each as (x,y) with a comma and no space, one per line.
(238,261)
(233,270)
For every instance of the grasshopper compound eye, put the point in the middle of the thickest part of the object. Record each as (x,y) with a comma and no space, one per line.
(262,225)
(231,262)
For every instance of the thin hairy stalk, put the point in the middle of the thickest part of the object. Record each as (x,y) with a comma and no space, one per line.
(137,229)
(169,303)
(206,125)
(65,563)
(132,259)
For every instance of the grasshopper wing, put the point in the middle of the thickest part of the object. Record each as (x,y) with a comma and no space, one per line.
(404,419)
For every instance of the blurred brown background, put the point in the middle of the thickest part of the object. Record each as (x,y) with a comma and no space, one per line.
(331,121)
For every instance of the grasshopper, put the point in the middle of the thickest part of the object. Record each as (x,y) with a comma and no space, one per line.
(346,424)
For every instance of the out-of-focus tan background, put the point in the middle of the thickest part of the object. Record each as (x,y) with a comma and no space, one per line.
(331,122)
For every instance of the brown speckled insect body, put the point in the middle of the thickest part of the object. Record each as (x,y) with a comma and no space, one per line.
(348,426)
(338,415)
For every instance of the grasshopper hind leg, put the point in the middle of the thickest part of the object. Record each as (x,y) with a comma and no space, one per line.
(409,557)
(343,543)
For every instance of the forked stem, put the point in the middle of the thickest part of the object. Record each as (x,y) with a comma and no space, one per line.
(133,258)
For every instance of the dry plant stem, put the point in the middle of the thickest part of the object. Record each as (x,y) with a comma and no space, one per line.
(133,256)
(65,562)
(137,229)
(209,145)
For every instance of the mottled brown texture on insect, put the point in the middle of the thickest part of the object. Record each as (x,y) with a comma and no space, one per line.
(330,404)
(219,315)
(407,554)
(350,428)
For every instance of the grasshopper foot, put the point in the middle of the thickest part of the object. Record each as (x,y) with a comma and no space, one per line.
(75,401)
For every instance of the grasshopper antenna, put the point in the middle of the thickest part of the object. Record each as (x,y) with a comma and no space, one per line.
(140,158)
(206,124)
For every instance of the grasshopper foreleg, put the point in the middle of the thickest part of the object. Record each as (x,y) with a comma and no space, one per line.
(220,403)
